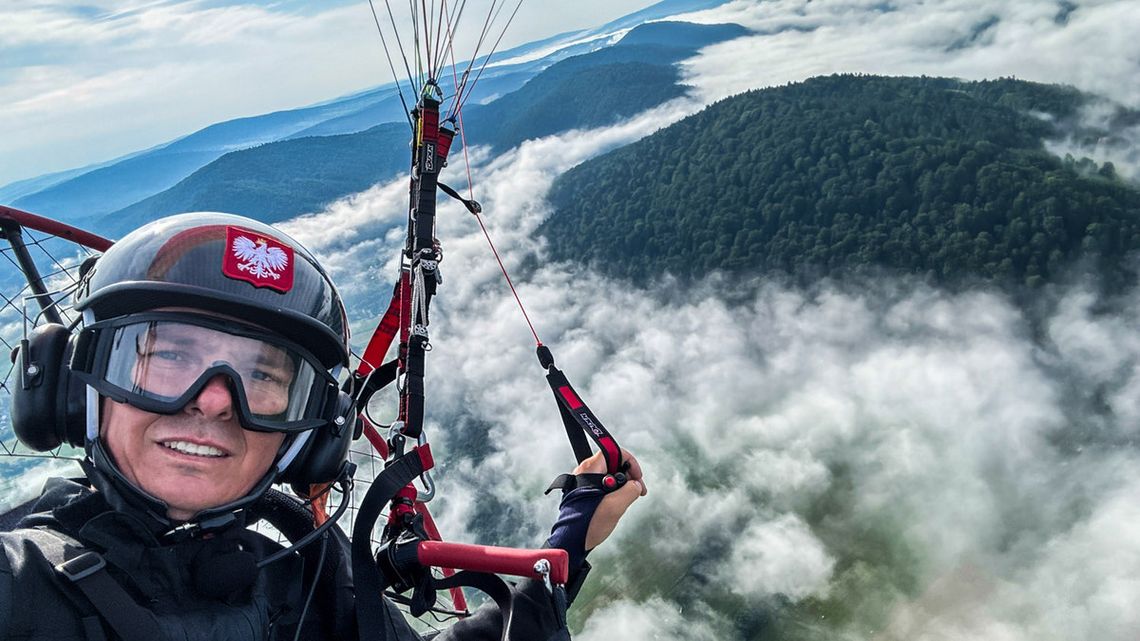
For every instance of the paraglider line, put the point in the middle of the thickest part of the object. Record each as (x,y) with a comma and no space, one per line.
(391,66)
(475,54)
(494,48)
(487,235)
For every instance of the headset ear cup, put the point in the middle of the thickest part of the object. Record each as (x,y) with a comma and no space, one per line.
(323,457)
(47,404)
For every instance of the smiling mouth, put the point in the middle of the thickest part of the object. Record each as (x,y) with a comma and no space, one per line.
(193,449)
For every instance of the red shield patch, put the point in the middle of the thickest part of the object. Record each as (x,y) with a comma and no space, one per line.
(258,259)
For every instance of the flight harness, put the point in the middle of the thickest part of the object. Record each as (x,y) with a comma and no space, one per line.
(409,525)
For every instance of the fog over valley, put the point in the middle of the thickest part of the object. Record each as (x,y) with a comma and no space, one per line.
(878,461)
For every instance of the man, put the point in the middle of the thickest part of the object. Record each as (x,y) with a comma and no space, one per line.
(204,373)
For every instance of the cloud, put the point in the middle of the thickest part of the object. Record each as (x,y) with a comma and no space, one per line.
(138,26)
(168,69)
(778,557)
(1091,48)
(649,621)
(905,459)
(1098,134)
(20,482)
(1097,562)
(1031,40)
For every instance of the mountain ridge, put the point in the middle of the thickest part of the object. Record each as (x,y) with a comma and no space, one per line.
(78,197)
(842,175)
(589,90)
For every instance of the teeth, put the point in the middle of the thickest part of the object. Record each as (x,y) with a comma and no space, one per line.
(194,449)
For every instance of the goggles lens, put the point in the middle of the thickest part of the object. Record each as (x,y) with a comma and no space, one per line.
(162,365)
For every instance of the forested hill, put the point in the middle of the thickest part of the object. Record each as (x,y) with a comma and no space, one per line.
(848,174)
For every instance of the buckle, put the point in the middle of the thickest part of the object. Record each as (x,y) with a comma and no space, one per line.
(81,566)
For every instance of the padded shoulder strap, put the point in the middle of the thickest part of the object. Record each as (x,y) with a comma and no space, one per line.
(5,593)
(9,519)
(87,571)
(129,620)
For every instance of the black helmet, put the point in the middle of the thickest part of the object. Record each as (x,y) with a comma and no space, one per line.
(225,264)
(244,270)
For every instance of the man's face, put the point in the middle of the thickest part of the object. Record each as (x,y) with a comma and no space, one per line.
(200,457)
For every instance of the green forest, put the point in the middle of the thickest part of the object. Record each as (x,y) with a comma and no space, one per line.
(856,175)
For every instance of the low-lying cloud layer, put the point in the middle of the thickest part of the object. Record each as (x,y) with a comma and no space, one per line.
(1102,136)
(1089,44)
(891,462)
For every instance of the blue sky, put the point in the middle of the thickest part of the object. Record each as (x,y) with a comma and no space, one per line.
(86,82)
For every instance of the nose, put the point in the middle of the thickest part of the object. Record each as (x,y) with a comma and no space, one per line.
(215,401)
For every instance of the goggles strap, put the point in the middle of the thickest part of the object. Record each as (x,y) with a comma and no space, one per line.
(92,411)
(92,405)
(294,449)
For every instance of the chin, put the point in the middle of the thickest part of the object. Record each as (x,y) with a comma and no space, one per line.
(184,500)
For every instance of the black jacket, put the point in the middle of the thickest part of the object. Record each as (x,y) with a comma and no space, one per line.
(184,585)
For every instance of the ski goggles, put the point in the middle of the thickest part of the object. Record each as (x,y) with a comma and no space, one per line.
(159,362)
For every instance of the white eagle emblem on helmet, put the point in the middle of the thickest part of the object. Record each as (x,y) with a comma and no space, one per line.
(259,259)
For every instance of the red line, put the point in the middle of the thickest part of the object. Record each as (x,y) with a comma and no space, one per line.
(377,441)
(471,195)
(502,267)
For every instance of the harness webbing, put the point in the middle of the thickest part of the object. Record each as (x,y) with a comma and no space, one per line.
(423,256)
(129,620)
(372,616)
(382,336)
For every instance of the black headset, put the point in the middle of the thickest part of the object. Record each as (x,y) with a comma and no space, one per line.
(49,409)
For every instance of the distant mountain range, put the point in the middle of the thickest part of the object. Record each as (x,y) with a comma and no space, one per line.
(87,195)
(280,180)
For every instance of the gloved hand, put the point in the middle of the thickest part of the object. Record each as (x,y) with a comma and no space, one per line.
(587,516)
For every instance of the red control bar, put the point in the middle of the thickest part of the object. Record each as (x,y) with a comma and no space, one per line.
(498,560)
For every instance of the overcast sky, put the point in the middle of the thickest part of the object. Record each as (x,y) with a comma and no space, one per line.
(86,82)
